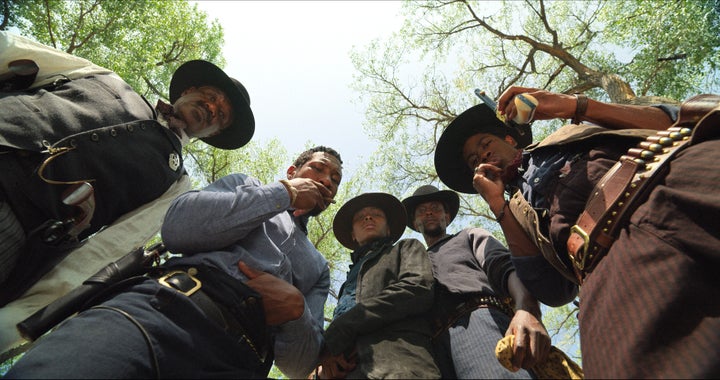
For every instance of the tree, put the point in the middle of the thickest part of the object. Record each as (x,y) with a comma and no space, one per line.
(417,80)
(143,41)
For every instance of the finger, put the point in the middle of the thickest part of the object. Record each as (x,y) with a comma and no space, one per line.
(519,351)
(251,273)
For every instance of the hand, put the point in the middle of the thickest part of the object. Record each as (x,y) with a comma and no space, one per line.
(312,195)
(488,183)
(550,105)
(282,302)
(336,366)
(532,342)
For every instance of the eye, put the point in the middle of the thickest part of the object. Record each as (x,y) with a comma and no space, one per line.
(472,161)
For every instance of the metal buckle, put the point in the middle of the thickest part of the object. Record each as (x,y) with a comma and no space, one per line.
(163,281)
(582,252)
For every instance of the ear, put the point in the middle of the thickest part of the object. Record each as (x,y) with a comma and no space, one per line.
(447,218)
(510,140)
(291,172)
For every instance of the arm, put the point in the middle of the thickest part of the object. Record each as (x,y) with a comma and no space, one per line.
(412,294)
(610,115)
(51,62)
(298,342)
(532,342)
(544,282)
(221,214)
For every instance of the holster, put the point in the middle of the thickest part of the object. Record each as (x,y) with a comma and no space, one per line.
(627,184)
(232,305)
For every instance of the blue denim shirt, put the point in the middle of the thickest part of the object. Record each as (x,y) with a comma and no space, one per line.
(347,293)
(238,218)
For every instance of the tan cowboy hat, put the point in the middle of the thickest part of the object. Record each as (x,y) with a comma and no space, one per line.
(203,73)
(449,163)
(429,193)
(394,212)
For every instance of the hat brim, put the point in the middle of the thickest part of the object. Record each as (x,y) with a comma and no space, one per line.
(449,163)
(203,73)
(394,213)
(447,197)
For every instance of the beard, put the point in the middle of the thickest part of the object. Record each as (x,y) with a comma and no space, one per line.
(433,231)
(511,171)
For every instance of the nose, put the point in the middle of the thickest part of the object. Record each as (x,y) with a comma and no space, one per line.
(211,109)
(325,179)
(486,156)
(368,217)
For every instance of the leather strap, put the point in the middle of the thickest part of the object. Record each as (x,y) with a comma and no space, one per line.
(626,185)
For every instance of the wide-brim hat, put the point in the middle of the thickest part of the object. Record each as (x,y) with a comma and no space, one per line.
(394,213)
(203,73)
(449,162)
(429,193)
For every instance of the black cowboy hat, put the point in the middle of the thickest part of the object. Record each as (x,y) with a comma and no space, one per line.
(203,73)
(394,212)
(429,193)
(449,163)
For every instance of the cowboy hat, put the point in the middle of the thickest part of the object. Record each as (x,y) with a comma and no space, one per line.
(449,163)
(429,193)
(394,212)
(203,73)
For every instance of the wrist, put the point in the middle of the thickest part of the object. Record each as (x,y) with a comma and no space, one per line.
(500,213)
(292,191)
(581,102)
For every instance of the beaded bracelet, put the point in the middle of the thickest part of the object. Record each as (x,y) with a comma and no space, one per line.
(292,190)
(502,211)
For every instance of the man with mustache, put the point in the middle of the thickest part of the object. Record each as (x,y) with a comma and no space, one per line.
(65,122)
(207,313)
(474,275)
(645,300)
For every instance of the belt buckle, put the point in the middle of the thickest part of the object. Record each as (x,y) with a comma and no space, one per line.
(582,252)
(163,280)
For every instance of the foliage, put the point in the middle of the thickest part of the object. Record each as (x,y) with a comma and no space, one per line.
(418,79)
(143,41)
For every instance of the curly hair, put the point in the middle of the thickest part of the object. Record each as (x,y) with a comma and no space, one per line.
(306,155)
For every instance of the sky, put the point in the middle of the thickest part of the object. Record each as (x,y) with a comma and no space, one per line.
(293,57)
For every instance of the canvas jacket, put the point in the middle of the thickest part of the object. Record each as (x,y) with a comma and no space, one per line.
(389,325)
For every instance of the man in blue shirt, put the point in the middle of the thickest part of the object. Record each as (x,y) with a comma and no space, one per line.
(197,318)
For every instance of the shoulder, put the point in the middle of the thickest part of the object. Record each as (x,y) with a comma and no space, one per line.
(410,243)
(572,133)
(233,180)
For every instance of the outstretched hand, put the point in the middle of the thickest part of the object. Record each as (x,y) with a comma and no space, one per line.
(282,301)
(550,105)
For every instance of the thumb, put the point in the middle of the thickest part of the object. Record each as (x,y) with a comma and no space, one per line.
(251,273)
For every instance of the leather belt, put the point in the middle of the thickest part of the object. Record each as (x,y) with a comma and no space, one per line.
(618,194)
(442,323)
(188,284)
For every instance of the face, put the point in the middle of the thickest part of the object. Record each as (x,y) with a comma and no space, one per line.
(368,224)
(431,218)
(206,111)
(322,167)
(485,148)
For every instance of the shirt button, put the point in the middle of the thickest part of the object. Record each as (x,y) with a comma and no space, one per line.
(536,180)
